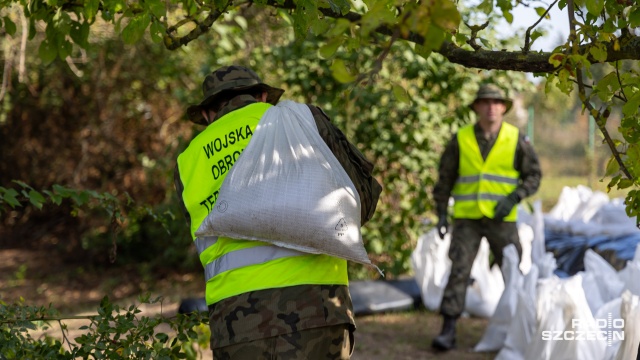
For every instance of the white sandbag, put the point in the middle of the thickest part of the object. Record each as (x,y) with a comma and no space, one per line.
(538,244)
(547,265)
(630,312)
(630,274)
(431,265)
(610,310)
(523,323)
(590,286)
(496,332)
(288,189)
(525,233)
(563,314)
(483,294)
(601,281)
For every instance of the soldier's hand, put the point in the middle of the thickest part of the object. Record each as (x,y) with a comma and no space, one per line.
(442,225)
(505,205)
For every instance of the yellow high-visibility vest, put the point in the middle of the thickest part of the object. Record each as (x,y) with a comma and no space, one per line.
(482,183)
(234,266)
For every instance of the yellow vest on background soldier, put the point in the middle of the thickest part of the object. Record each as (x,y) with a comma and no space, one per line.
(488,168)
(264,300)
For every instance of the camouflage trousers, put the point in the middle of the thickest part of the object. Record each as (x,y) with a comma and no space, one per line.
(323,343)
(466,236)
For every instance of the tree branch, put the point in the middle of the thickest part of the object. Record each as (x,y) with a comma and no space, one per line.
(600,120)
(522,61)
(527,37)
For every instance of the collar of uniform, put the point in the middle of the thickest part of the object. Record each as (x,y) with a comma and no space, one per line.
(234,104)
(480,134)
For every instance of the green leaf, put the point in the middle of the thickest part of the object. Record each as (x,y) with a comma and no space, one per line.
(340,6)
(634,18)
(36,199)
(90,9)
(340,72)
(631,107)
(423,51)
(156,7)
(595,7)
(433,38)
(612,167)
(535,34)
(508,16)
(540,11)
(80,33)
(9,196)
(64,47)
(599,53)
(22,184)
(9,26)
(62,191)
(328,49)
(446,15)
(607,86)
(320,27)
(305,13)
(339,28)
(55,198)
(401,94)
(625,183)
(47,51)
(486,6)
(135,28)
(156,30)
(460,38)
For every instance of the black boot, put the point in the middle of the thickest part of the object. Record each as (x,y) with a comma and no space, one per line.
(447,338)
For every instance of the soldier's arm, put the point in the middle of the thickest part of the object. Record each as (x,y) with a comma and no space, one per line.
(353,161)
(447,175)
(529,167)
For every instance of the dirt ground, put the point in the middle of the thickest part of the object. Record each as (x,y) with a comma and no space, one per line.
(43,280)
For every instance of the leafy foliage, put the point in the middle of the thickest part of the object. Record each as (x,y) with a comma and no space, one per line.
(113,333)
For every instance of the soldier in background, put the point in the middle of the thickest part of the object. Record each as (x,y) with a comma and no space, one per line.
(265,301)
(488,167)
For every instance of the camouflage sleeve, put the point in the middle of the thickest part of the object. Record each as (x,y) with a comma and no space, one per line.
(353,161)
(179,189)
(529,167)
(447,175)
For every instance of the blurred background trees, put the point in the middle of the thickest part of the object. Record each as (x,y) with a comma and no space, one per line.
(97,103)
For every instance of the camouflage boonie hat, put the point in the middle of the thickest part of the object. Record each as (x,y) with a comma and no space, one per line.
(229,78)
(491,91)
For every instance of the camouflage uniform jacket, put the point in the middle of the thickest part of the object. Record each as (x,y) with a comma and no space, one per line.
(526,162)
(272,312)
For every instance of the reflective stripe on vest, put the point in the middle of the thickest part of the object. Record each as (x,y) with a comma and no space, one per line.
(230,264)
(245,257)
(482,183)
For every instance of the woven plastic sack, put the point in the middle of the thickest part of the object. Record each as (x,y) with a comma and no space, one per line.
(288,189)
(431,264)
(496,332)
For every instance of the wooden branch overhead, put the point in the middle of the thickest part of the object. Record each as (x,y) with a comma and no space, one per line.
(628,48)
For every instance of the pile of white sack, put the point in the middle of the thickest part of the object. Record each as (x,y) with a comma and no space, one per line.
(534,314)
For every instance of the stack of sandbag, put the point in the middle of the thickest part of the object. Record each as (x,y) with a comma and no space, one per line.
(592,315)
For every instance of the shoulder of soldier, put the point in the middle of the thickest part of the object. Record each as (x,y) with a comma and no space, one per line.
(524,138)
(317,111)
